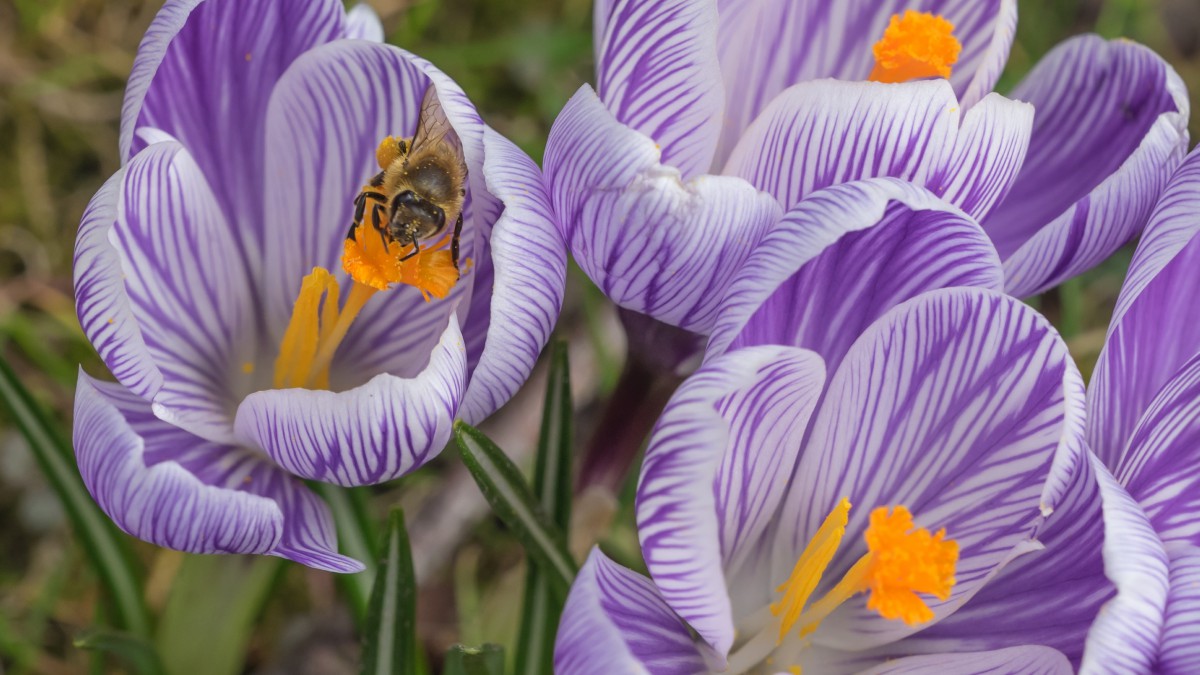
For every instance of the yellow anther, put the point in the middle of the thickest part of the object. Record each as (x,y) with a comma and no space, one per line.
(316,308)
(906,561)
(915,46)
(809,568)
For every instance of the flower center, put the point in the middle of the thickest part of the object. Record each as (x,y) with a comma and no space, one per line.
(901,561)
(915,46)
(374,262)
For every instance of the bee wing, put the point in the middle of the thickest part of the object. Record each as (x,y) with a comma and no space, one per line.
(433,126)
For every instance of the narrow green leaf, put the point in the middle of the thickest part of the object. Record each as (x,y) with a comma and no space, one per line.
(552,485)
(485,660)
(356,538)
(210,615)
(512,500)
(391,632)
(136,652)
(101,540)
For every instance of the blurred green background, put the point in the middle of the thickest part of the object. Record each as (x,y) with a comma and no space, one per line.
(63,65)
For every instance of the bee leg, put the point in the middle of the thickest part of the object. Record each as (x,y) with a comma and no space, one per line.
(416,248)
(454,240)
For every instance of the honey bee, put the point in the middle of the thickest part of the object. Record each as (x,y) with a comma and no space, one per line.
(422,186)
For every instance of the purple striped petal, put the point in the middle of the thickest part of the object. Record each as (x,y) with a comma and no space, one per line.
(204,74)
(1111,126)
(1126,634)
(1030,660)
(765,47)
(616,622)
(530,262)
(329,113)
(1153,331)
(161,484)
(367,435)
(657,73)
(362,23)
(161,297)
(817,134)
(714,474)
(1050,596)
(1179,650)
(961,405)
(651,242)
(1161,467)
(844,257)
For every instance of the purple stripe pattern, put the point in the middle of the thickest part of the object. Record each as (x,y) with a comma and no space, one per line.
(615,621)
(1180,649)
(817,134)
(248,128)
(651,242)
(1111,126)
(1025,660)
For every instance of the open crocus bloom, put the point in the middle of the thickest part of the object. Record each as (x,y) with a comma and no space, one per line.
(1144,407)
(864,364)
(208,270)
(711,118)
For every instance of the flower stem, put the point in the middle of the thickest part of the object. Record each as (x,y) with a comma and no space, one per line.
(640,396)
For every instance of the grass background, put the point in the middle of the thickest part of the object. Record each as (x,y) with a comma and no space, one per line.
(63,64)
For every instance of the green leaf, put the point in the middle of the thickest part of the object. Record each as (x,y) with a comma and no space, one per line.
(485,660)
(391,632)
(136,652)
(356,538)
(103,543)
(552,486)
(210,615)
(512,500)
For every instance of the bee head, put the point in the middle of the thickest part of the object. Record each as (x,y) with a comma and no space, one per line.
(414,218)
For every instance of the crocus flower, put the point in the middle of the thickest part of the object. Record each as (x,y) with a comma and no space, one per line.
(866,368)
(1144,410)
(711,118)
(210,274)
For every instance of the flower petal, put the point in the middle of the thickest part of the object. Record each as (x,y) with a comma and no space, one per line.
(362,23)
(1111,126)
(1050,596)
(657,73)
(817,134)
(651,242)
(161,484)
(326,119)
(1153,331)
(715,471)
(367,435)
(530,262)
(1126,634)
(988,155)
(185,323)
(1179,650)
(841,259)
(204,74)
(765,47)
(1161,467)
(1030,660)
(961,405)
(615,622)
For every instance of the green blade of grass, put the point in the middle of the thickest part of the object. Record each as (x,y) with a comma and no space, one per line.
(512,500)
(102,542)
(136,652)
(356,538)
(391,628)
(552,487)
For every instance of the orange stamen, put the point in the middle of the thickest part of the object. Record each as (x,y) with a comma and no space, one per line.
(916,46)
(907,561)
